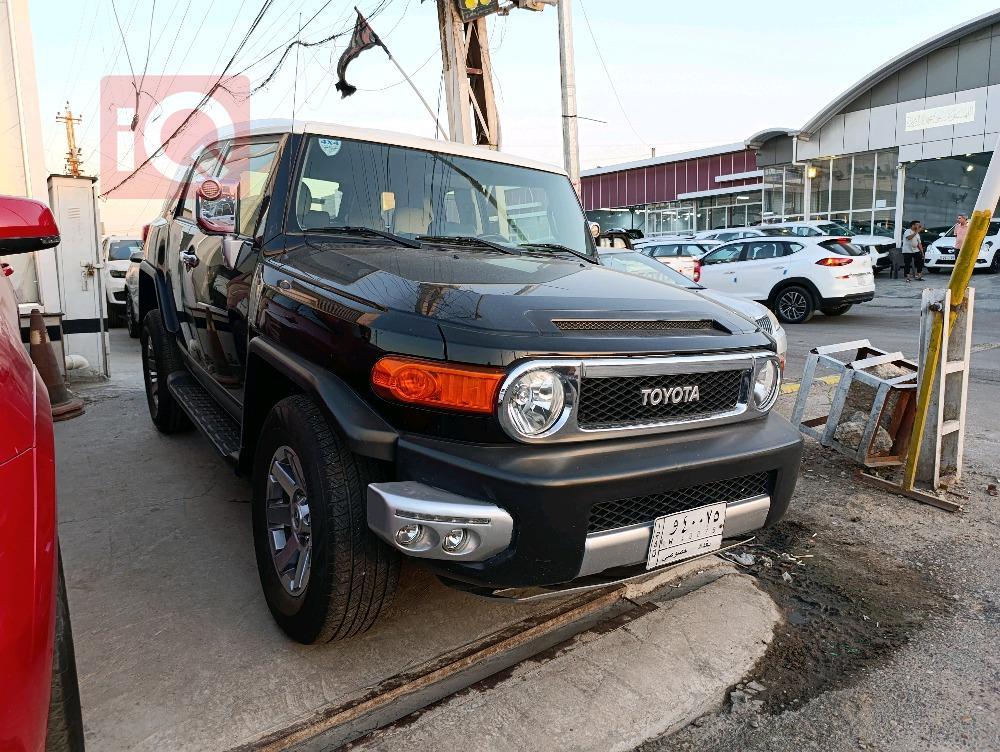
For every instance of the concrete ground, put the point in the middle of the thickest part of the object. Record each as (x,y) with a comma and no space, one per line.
(176,649)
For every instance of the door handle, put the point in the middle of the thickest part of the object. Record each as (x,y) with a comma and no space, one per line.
(189,259)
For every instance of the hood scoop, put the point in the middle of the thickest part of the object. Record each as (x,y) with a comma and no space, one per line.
(638,326)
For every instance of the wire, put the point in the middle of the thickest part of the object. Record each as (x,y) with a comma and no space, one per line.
(608,74)
(208,95)
(124,43)
(149,44)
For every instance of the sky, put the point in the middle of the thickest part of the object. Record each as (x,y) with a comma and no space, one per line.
(670,76)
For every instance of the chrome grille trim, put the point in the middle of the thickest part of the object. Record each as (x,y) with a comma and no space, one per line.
(573,371)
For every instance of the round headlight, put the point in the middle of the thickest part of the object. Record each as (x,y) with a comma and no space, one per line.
(532,403)
(766,384)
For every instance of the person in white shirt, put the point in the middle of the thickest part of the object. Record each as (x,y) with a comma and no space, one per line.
(961,230)
(913,251)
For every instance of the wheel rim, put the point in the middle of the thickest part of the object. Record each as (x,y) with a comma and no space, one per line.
(793,305)
(289,524)
(152,376)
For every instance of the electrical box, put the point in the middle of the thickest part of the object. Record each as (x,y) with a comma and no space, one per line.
(470,10)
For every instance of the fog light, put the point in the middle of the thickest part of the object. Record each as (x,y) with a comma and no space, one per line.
(409,534)
(455,540)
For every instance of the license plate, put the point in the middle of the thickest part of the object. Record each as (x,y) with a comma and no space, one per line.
(685,534)
(947,257)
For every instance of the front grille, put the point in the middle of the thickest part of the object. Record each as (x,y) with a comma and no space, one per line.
(632,325)
(765,323)
(618,400)
(609,515)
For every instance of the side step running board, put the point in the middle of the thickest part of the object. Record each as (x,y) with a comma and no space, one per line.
(213,420)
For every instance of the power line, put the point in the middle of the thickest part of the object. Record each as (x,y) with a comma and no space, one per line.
(149,44)
(608,73)
(128,57)
(204,100)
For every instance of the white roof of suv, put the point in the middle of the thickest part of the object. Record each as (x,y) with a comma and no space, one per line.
(406,140)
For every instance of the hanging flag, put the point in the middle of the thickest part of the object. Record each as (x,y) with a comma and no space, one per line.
(363,38)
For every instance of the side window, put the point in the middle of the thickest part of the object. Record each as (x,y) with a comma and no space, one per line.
(725,255)
(762,250)
(787,249)
(205,166)
(250,163)
(690,250)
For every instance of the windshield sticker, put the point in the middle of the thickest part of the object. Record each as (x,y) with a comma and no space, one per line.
(330,146)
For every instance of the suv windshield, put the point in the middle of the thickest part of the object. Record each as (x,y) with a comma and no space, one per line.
(413,193)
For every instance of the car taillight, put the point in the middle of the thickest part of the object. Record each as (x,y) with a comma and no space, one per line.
(697,271)
(834,261)
(433,384)
(6,269)
(145,232)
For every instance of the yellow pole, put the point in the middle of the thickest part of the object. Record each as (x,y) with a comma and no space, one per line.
(989,196)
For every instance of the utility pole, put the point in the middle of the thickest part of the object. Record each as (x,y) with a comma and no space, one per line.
(73,153)
(468,78)
(567,70)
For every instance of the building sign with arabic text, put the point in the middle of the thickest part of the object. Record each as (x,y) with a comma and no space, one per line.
(937,117)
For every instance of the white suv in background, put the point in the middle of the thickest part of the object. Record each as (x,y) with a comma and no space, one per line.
(794,277)
(115,254)
(942,252)
(878,246)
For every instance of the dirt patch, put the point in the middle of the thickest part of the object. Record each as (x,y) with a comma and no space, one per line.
(847,609)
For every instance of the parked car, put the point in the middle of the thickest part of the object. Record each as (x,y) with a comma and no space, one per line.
(132,323)
(679,255)
(40,706)
(115,254)
(727,234)
(793,277)
(635,262)
(942,253)
(877,245)
(427,360)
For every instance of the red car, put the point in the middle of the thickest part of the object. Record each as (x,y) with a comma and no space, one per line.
(39,698)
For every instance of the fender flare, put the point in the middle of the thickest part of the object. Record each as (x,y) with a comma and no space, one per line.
(799,281)
(364,430)
(164,296)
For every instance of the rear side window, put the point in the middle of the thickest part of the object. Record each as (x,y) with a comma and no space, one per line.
(763,250)
(842,247)
(787,249)
(690,250)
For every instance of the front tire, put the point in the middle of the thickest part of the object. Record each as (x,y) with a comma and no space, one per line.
(794,305)
(130,321)
(161,357)
(65,725)
(325,575)
(836,310)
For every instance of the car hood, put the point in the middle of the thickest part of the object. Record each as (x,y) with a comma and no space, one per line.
(496,292)
(121,266)
(748,309)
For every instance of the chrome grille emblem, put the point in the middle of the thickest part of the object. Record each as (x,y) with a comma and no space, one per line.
(677,395)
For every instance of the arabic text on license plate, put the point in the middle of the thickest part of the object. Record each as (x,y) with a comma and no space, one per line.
(685,534)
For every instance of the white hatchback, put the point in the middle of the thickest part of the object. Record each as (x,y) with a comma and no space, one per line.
(942,253)
(679,255)
(795,277)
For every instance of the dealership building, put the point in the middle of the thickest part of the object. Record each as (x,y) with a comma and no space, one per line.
(910,141)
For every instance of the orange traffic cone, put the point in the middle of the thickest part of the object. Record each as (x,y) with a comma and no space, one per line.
(64,404)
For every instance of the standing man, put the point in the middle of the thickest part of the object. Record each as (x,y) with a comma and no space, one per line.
(961,230)
(913,251)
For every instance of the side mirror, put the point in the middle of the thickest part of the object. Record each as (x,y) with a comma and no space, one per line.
(217,205)
(25,225)
(136,258)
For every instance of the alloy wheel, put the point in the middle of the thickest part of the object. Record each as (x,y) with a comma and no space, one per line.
(289,525)
(793,305)
(152,376)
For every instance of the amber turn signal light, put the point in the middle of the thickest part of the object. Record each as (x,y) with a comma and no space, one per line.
(434,384)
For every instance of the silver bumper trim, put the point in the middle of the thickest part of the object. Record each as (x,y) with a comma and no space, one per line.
(630,545)
(394,505)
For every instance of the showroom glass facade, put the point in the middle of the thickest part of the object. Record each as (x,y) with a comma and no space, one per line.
(938,190)
(858,190)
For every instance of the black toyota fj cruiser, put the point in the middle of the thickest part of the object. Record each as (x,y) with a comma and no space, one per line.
(409,348)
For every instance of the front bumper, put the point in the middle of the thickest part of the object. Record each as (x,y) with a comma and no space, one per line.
(547,493)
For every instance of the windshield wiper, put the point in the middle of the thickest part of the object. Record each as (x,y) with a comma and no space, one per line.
(409,243)
(469,240)
(564,249)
